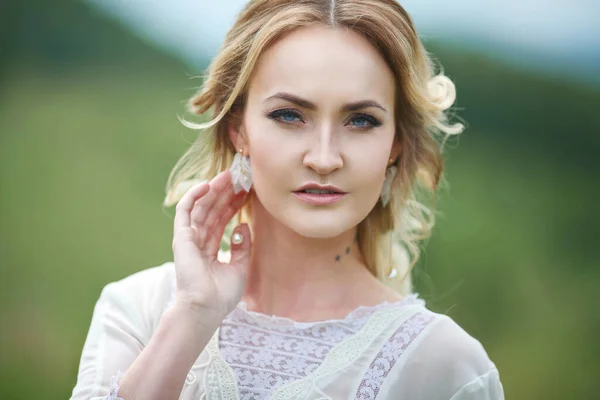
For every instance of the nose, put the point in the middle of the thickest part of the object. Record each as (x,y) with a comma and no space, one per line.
(324,155)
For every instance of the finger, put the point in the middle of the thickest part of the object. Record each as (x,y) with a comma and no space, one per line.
(219,187)
(184,207)
(214,233)
(222,180)
(218,208)
(205,214)
(209,210)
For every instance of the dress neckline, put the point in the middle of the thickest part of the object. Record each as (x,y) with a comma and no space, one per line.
(374,320)
(358,313)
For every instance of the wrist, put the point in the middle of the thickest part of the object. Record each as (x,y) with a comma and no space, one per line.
(197,313)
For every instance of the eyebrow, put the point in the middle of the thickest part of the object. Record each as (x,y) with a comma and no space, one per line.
(311,106)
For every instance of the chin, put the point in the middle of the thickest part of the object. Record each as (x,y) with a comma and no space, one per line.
(323,224)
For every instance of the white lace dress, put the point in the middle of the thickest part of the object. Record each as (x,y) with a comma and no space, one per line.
(398,350)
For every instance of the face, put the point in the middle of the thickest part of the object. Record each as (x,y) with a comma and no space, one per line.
(319,110)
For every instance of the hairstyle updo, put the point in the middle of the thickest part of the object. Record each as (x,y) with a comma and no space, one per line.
(389,236)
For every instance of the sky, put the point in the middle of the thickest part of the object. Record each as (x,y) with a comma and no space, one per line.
(558,35)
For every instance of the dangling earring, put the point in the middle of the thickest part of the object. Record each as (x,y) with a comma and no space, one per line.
(390,174)
(241,176)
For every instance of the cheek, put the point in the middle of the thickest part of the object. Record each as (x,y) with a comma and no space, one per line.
(369,184)
(368,162)
(270,158)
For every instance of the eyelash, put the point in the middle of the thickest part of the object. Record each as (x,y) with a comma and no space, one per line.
(277,114)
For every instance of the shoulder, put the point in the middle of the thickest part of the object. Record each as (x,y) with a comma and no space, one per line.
(141,297)
(439,359)
(146,281)
(437,339)
(450,354)
(450,346)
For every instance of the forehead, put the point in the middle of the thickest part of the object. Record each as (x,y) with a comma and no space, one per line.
(322,63)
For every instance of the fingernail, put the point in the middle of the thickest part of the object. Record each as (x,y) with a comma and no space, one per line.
(237,238)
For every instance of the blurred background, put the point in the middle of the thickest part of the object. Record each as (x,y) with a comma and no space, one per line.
(89,98)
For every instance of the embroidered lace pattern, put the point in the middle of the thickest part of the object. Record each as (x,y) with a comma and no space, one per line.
(263,360)
(278,358)
(342,354)
(389,354)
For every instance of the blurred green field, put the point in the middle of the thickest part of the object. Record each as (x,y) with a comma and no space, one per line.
(86,147)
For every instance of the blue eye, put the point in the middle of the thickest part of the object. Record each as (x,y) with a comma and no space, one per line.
(288,116)
(285,116)
(364,121)
(360,121)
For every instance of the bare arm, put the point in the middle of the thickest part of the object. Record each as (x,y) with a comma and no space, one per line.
(207,290)
(157,363)
(160,370)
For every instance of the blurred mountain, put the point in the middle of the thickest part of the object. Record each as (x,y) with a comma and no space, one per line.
(61,35)
(551,114)
(559,40)
(554,38)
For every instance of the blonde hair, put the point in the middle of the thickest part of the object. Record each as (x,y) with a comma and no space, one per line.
(388,237)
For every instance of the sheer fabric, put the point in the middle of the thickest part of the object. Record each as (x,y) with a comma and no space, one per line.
(389,351)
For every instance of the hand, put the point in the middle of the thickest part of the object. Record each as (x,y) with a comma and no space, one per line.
(204,282)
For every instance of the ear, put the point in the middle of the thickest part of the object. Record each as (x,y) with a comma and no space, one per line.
(237,132)
(396,150)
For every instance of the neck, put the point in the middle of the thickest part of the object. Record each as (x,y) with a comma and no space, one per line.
(304,278)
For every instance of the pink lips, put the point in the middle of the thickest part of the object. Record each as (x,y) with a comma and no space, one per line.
(318,199)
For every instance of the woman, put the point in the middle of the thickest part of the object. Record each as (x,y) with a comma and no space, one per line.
(327,122)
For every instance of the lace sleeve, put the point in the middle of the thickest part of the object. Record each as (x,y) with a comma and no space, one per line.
(115,338)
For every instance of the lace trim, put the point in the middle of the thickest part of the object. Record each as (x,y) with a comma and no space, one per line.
(391,351)
(267,362)
(222,384)
(113,393)
(357,313)
(243,332)
(219,379)
(343,353)
(253,394)
(264,359)
(247,379)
